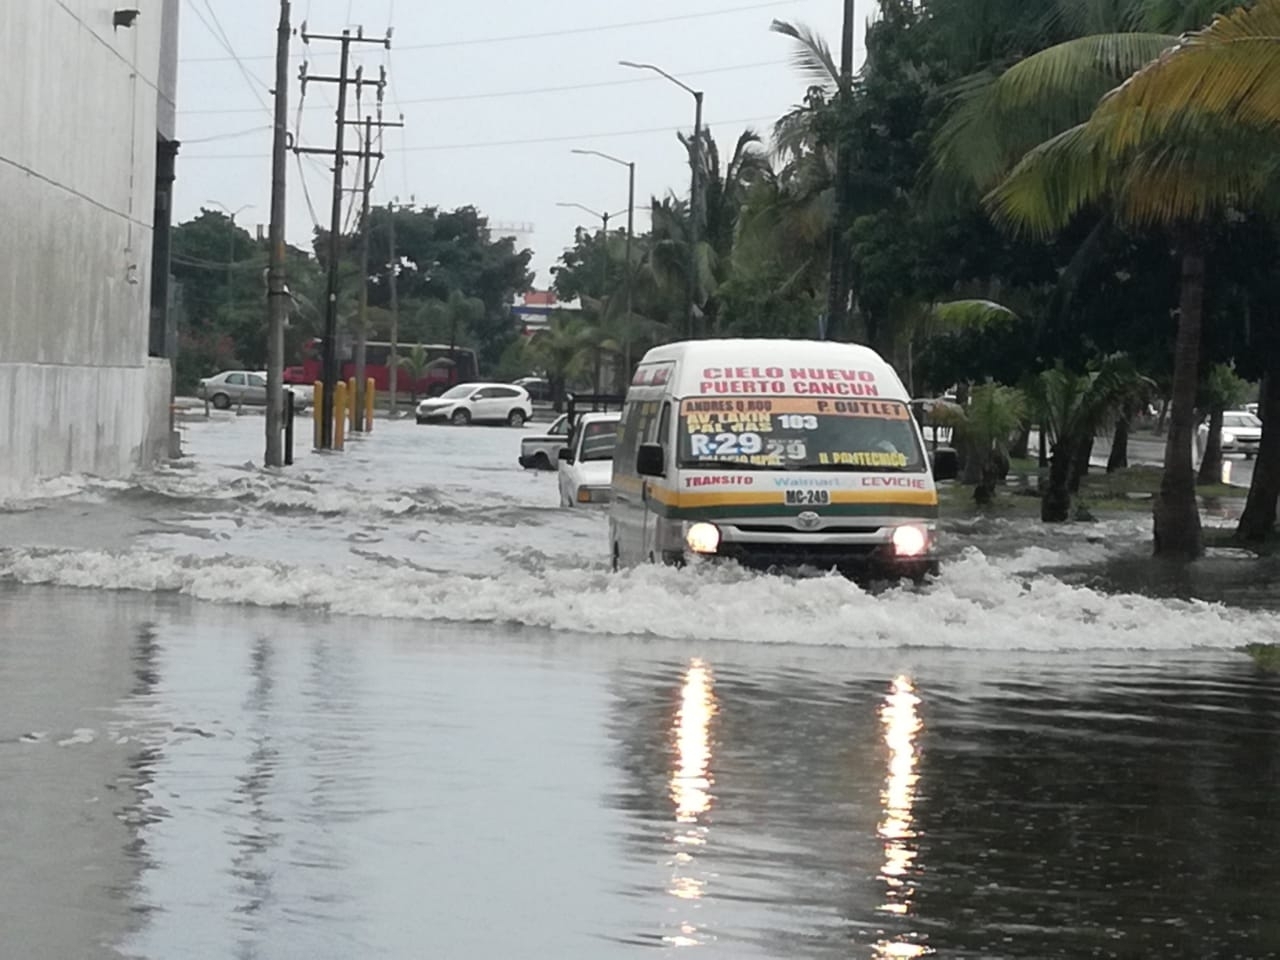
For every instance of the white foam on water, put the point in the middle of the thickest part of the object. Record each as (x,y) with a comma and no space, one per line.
(979,602)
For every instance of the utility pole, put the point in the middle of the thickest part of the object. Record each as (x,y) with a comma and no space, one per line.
(339,154)
(392,282)
(362,334)
(277,290)
(838,274)
(695,213)
(366,232)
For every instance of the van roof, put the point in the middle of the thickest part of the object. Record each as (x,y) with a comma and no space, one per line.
(763,367)
(782,351)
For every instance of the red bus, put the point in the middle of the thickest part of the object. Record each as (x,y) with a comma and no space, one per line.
(445,367)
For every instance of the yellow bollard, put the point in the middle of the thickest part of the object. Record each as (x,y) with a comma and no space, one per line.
(317,412)
(352,398)
(339,415)
(370,394)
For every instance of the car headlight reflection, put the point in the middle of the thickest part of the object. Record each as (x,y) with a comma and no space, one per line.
(703,538)
(910,541)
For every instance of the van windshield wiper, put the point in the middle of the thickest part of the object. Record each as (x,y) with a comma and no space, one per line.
(854,468)
(725,465)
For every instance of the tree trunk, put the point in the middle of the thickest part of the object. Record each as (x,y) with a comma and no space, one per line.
(1020,449)
(1258,522)
(1211,463)
(1080,462)
(1043,455)
(1162,420)
(974,462)
(1055,501)
(1119,457)
(1176,514)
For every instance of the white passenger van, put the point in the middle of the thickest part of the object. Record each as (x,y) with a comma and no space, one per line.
(774,454)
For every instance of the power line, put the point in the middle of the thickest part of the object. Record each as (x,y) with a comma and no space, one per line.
(219,35)
(563,32)
(582,137)
(226,136)
(531,91)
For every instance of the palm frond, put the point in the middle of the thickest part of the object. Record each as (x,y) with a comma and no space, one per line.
(1053,182)
(1230,71)
(996,120)
(812,57)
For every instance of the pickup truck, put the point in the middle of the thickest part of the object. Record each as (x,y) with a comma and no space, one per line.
(543,452)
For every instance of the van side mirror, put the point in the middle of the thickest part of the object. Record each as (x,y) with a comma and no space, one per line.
(651,461)
(946,463)
(565,455)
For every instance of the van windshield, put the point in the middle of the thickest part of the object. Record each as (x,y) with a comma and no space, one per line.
(794,433)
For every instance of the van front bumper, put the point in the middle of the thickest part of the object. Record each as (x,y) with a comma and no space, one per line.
(860,550)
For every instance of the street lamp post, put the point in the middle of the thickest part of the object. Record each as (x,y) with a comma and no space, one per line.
(604,264)
(631,214)
(695,193)
(231,242)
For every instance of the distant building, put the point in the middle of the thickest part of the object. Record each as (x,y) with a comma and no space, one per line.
(86,167)
(533,311)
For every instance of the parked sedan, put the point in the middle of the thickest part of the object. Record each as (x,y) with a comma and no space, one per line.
(232,388)
(1241,433)
(478,403)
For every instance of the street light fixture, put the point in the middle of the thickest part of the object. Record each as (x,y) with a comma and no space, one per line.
(631,213)
(695,193)
(231,241)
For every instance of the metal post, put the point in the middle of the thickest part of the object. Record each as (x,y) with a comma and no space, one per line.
(335,228)
(277,293)
(288,428)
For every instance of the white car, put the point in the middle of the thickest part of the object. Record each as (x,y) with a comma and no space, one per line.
(1241,433)
(586,464)
(478,403)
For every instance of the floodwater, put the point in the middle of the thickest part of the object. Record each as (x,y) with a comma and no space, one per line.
(393,704)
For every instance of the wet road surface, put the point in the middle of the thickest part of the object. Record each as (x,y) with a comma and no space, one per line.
(393,705)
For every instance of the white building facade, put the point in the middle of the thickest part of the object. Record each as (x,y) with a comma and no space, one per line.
(86,160)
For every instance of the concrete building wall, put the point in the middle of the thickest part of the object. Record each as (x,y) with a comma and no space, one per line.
(78,392)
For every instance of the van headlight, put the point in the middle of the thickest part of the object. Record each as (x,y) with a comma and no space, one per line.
(703,538)
(910,541)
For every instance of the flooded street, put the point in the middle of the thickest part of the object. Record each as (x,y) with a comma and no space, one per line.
(393,704)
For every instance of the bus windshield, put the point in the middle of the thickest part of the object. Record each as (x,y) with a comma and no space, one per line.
(794,433)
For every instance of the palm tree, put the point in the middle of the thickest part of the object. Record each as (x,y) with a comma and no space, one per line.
(1151,181)
(1071,408)
(417,365)
(985,427)
(1222,391)
(564,351)
(1222,77)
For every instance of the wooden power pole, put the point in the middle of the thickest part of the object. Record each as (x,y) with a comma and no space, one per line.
(343,80)
(277,282)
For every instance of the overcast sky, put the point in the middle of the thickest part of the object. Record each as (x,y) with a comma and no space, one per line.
(481,126)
